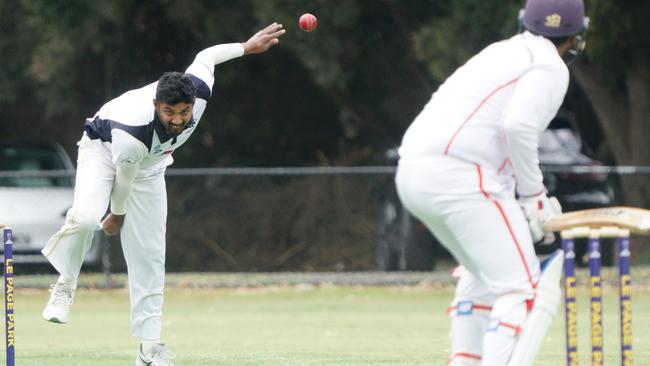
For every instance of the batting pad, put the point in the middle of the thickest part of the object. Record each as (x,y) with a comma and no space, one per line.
(540,318)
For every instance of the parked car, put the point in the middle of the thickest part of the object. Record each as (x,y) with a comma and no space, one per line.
(404,243)
(560,149)
(36,190)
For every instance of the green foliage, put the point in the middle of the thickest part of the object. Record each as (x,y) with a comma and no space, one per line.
(340,94)
(617,42)
(461,29)
(15,57)
(71,34)
(360,55)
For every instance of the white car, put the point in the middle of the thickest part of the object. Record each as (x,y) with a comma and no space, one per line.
(36,190)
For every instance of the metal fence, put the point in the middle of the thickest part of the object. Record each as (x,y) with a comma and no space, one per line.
(327,218)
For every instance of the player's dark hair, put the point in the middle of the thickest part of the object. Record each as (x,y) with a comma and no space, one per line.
(175,87)
(555,40)
(558,40)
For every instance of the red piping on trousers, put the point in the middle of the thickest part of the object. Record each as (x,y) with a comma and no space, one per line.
(505,219)
(476,110)
(464,355)
(516,328)
(529,304)
(477,307)
(512,234)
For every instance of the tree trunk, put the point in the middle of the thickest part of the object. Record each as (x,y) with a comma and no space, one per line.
(638,86)
(624,118)
(610,109)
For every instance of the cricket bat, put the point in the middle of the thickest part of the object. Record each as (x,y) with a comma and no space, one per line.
(637,220)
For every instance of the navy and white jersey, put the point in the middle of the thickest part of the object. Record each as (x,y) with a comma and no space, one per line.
(136,134)
(131,126)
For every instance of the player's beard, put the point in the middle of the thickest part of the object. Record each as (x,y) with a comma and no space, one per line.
(175,130)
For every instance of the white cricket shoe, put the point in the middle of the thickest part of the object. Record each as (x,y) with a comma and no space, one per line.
(58,307)
(159,356)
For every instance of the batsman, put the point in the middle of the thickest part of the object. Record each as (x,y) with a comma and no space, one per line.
(122,157)
(469,169)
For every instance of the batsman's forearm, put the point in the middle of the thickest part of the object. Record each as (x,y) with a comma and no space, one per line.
(124,178)
(522,149)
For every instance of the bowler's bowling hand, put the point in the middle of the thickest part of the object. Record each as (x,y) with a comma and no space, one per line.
(112,224)
(264,39)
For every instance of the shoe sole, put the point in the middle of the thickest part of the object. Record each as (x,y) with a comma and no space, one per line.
(55,320)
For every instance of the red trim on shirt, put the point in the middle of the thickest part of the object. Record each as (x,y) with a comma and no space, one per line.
(476,110)
(480,181)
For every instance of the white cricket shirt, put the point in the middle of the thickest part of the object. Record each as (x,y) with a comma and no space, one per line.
(138,141)
(492,110)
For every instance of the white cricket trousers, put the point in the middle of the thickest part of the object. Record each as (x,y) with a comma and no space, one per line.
(142,235)
(472,211)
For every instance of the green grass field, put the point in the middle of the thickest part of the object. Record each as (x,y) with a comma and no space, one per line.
(285,325)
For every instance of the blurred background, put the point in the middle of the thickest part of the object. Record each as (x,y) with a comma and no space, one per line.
(340,96)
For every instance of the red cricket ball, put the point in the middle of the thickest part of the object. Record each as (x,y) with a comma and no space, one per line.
(308,22)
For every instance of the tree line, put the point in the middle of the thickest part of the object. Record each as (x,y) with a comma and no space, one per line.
(339,95)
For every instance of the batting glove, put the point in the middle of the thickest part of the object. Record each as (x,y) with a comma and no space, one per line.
(539,209)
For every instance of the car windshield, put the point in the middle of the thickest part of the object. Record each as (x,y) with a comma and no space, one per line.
(32,158)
